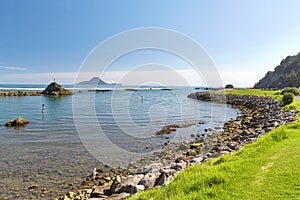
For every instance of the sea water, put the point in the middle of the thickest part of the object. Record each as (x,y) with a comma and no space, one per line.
(52,151)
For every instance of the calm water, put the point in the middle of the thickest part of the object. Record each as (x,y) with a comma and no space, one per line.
(79,132)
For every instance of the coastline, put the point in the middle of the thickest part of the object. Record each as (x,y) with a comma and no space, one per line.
(20,93)
(258,116)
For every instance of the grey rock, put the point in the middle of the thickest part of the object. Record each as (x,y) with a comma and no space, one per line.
(137,188)
(118,196)
(179,166)
(116,183)
(149,180)
(99,192)
(160,181)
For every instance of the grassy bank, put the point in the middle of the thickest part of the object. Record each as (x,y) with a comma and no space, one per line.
(253,92)
(266,169)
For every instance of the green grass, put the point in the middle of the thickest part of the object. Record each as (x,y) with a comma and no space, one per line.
(253,92)
(266,169)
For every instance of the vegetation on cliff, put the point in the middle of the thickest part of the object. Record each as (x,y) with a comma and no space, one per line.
(287,74)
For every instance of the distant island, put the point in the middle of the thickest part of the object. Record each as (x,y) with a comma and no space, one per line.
(96,81)
(287,74)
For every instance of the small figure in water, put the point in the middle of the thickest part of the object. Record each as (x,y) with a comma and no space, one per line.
(142,98)
(43,108)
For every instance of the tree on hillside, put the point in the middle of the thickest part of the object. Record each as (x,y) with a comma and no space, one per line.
(229,86)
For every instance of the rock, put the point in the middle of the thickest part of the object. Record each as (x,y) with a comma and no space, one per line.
(166,130)
(217,147)
(236,138)
(118,196)
(56,89)
(89,191)
(191,153)
(276,123)
(20,93)
(183,147)
(148,181)
(134,180)
(66,198)
(137,188)
(160,181)
(71,195)
(116,183)
(125,184)
(169,172)
(33,187)
(17,122)
(196,145)
(99,192)
(197,159)
(179,166)
(153,167)
(169,179)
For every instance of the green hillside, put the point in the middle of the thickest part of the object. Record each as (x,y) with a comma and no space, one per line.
(287,74)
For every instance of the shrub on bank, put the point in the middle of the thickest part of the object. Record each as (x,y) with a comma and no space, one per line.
(287,98)
(292,90)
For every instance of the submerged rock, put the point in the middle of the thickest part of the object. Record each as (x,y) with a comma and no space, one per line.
(17,122)
(56,89)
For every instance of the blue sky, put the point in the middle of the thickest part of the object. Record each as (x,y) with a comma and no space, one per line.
(40,40)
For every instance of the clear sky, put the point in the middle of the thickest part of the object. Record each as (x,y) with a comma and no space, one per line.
(40,40)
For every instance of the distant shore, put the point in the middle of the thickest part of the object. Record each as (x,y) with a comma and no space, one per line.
(258,116)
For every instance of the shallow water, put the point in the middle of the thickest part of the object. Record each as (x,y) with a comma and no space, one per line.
(78,133)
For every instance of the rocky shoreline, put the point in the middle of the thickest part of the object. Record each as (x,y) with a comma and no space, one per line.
(258,116)
(52,89)
(19,93)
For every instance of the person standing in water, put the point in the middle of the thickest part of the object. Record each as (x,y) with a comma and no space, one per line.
(43,108)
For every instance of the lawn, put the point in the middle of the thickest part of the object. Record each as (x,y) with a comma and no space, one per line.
(253,92)
(266,169)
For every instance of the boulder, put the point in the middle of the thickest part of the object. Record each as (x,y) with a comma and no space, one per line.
(195,145)
(179,166)
(197,159)
(116,183)
(17,122)
(125,184)
(148,181)
(56,89)
(136,189)
(99,192)
(160,181)
(123,195)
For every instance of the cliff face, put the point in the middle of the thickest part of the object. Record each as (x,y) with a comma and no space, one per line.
(287,74)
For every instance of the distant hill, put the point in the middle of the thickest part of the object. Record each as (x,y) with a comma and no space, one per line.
(287,74)
(93,81)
